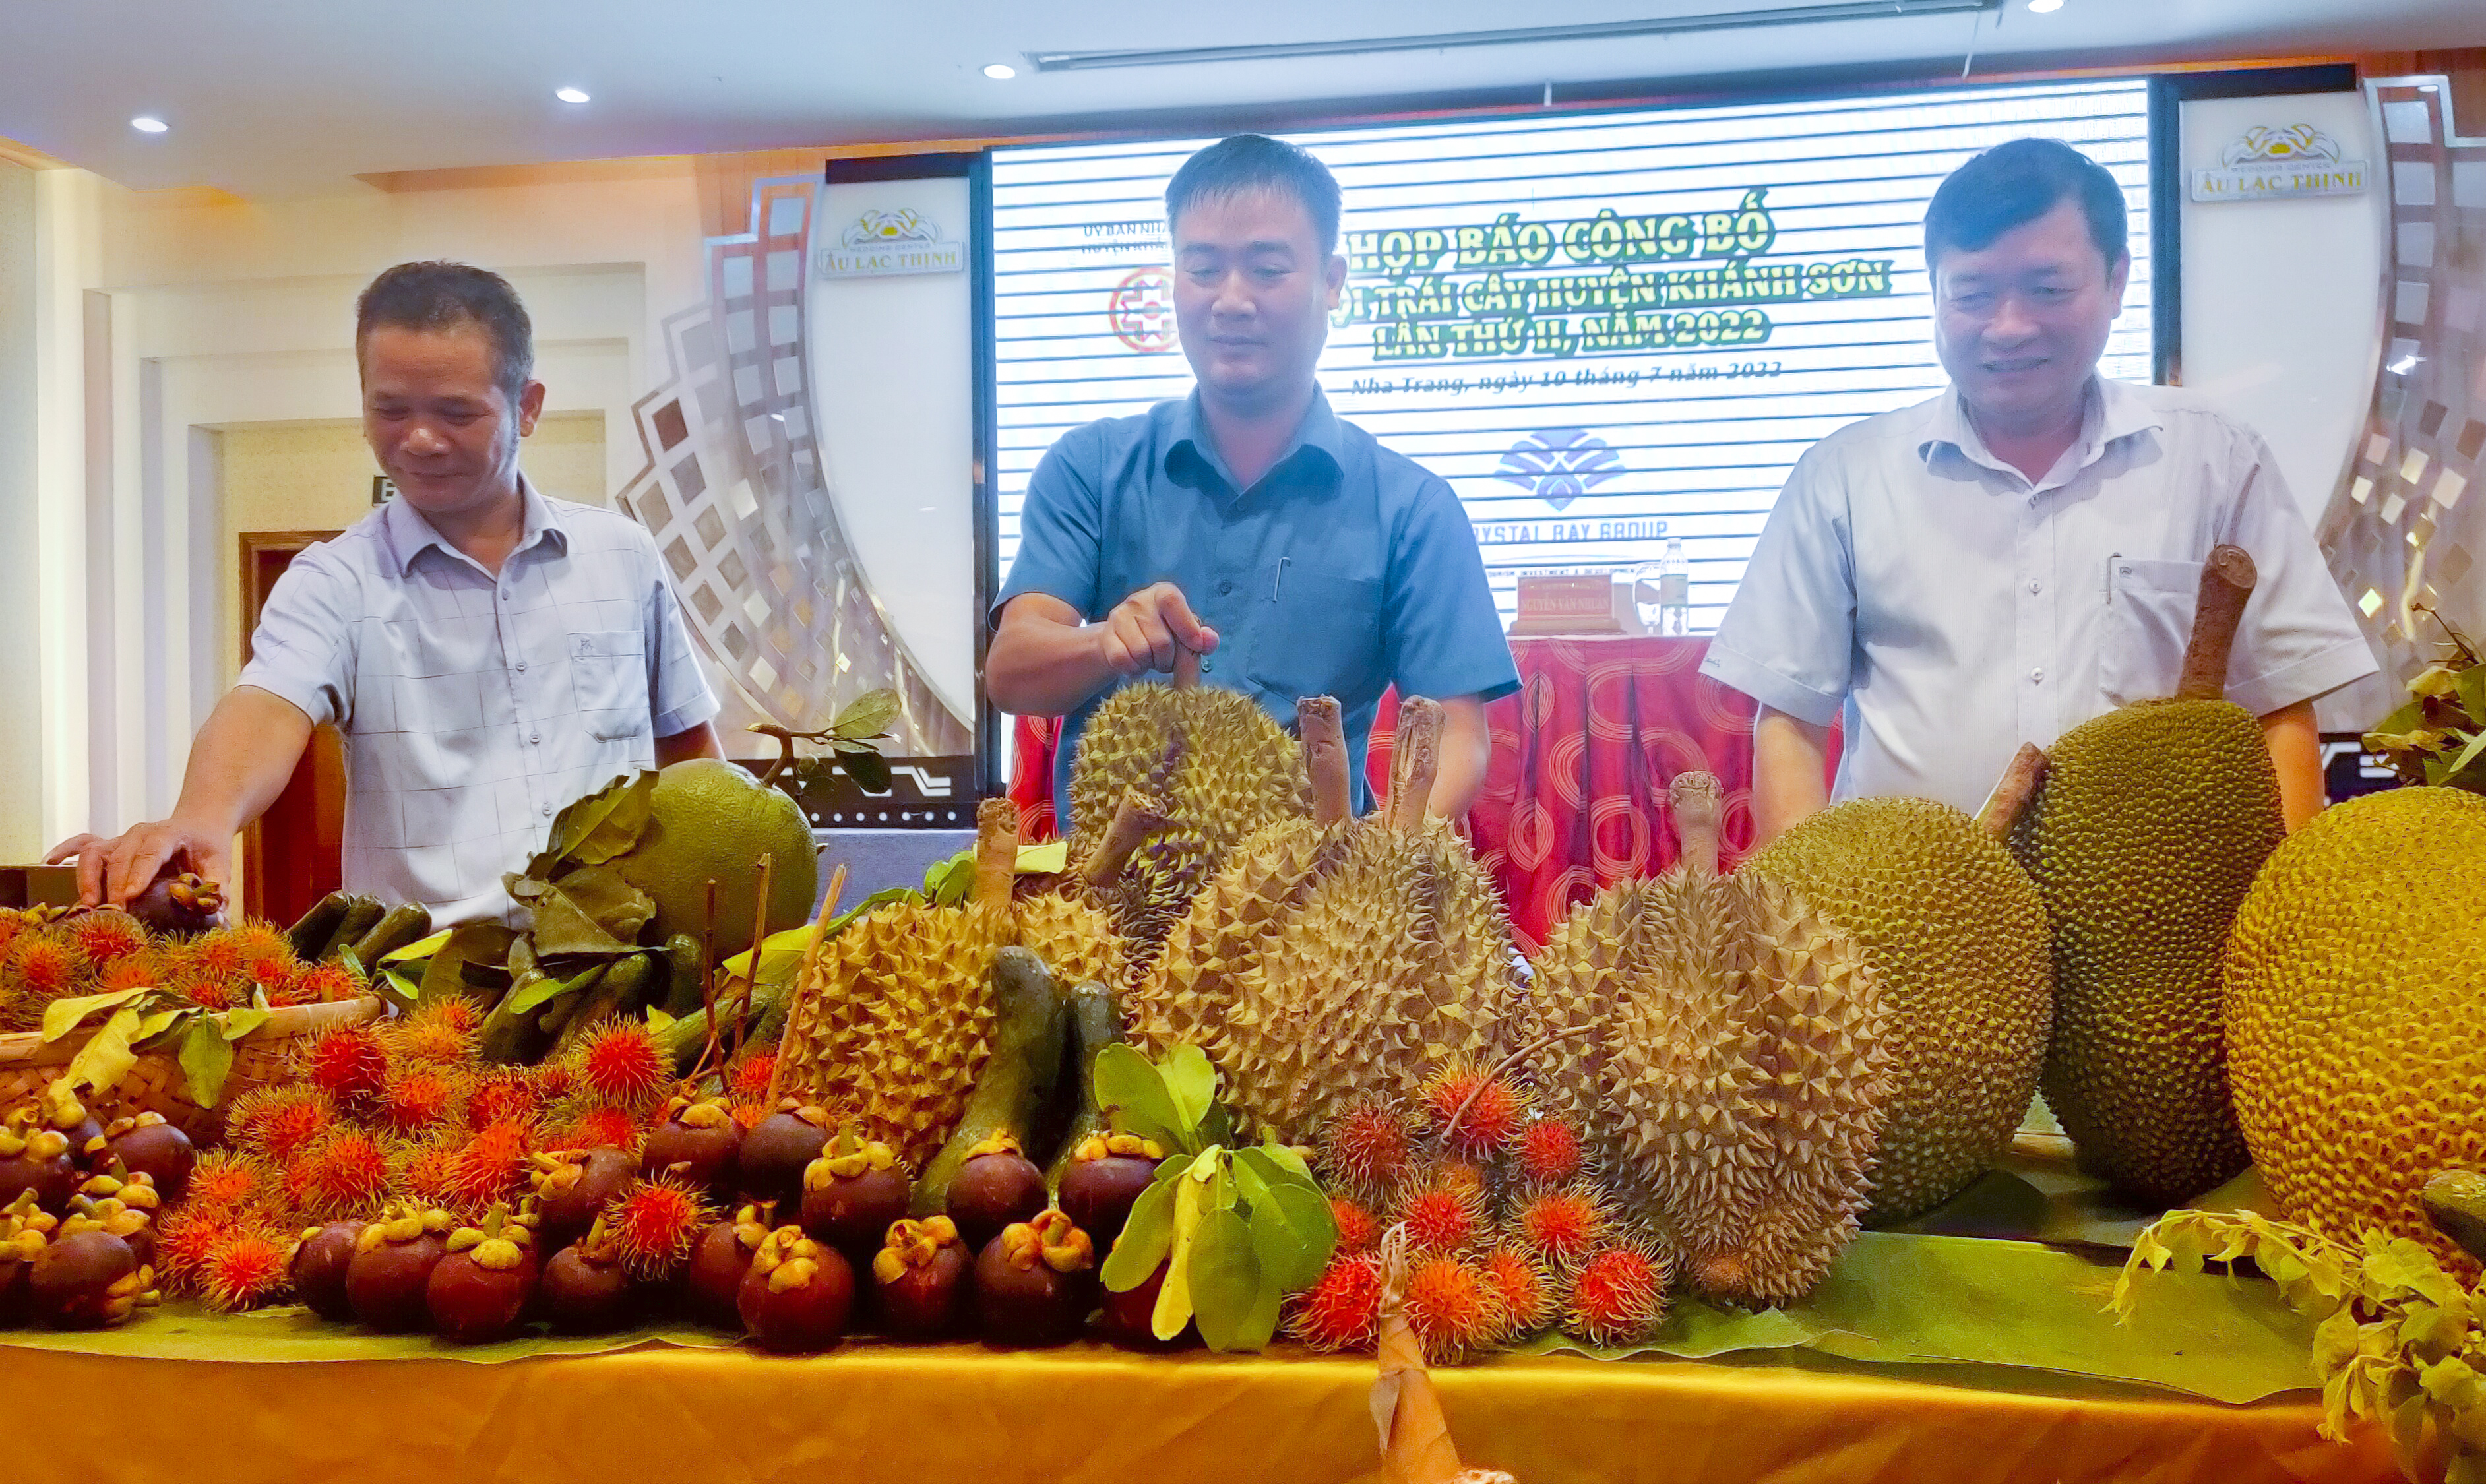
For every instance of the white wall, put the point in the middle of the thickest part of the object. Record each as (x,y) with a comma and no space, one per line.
(20,728)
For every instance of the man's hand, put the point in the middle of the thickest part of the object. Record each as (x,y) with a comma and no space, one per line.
(1149,631)
(114,870)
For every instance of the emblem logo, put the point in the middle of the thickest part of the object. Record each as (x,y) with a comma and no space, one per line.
(1141,311)
(1558,465)
(2270,160)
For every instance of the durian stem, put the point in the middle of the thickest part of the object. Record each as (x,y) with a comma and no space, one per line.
(1133,822)
(1186,669)
(1416,756)
(2227,582)
(1324,735)
(1694,799)
(804,986)
(996,852)
(1504,1066)
(2013,791)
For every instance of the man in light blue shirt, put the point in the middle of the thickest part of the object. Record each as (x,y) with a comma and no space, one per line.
(2021,553)
(488,654)
(1246,523)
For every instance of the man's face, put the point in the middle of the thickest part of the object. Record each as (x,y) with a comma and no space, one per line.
(2021,323)
(437,420)
(1252,296)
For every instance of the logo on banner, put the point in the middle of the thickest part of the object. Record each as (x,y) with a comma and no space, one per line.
(1141,311)
(1558,465)
(2267,161)
(882,243)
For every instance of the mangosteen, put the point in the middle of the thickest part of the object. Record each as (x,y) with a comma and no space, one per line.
(36,1159)
(179,902)
(386,1279)
(697,1141)
(63,1114)
(797,1296)
(1106,1175)
(778,1149)
(1035,1282)
(320,1262)
(86,1278)
(1130,1317)
(920,1279)
(127,1210)
(585,1289)
(713,1280)
(851,1194)
(571,1186)
(995,1187)
(24,1230)
(149,1145)
(479,1291)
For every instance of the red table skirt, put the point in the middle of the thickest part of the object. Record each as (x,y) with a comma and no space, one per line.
(1575,796)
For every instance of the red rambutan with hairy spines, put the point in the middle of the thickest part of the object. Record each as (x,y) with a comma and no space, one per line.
(254,942)
(278,982)
(553,1081)
(142,969)
(653,1225)
(1454,1309)
(350,1063)
(216,952)
(1445,1217)
(280,1120)
(491,1165)
(104,934)
(502,1094)
(748,1113)
(1368,1148)
(1563,1226)
(1549,1154)
(416,1101)
(751,1076)
(1342,1310)
(185,1239)
(326,983)
(1529,1289)
(224,1180)
(349,1174)
(250,1267)
(1358,1229)
(12,922)
(43,967)
(585,1124)
(210,991)
(430,1169)
(1490,1111)
(622,1061)
(1617,1295)
(440,1032)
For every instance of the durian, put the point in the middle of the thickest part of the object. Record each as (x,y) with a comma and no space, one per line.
(1332,959)
(1727,1044)
(1956,935)
(2354,978)
(2150,825)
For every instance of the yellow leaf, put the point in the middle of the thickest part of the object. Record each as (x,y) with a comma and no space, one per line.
(2334,1342)
(1174,1299)
(1048,858)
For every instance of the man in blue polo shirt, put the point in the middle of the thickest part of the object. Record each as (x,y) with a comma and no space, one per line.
(1246,523)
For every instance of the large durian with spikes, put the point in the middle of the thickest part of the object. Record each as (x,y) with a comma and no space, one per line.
(1211,766)
(1332,959)
(1725,1042)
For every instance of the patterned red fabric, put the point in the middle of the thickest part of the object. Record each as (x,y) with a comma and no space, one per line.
(1575,796)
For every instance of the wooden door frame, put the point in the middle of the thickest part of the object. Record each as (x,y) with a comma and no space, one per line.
(255,544)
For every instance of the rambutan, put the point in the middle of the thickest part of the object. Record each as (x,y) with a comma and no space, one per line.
(184,1241)
(1563,1226)
(12,922)
(582,1125)
(1343,1307)
(654,1224)
(255,943)
(1454,1309)
(103,934)
(216,953)
(350,1173)
(41,968)
(224,1180)
(431,1168)
(553,1081)
(1357,1227)
(1461,1176)
(751,1076)
(250,1267)
(416,1100)
(1617,1295)
(1549,1154)
(278,981)
(1470,1113)
(1445,1217)
(491,1165)
(210,990)
(622,1061)
(439,1030)
(748,1113)
(280,1120)
(502,1094)
(326,983)
(350,1063)
(142,969)
(1527,1286)
(1368,1148)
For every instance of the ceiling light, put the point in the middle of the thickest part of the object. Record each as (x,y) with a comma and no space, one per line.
(570,94)
(149,123)
(1000,71)
(2044,7)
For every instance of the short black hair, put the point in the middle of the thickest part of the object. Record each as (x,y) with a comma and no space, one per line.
(2018,183)
(1255,162)
(437,295)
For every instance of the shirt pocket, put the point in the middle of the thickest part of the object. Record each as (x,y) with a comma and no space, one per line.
(1322,637)
(608,669)
(2148,625)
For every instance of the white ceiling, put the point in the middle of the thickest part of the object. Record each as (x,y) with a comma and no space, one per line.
(287,97)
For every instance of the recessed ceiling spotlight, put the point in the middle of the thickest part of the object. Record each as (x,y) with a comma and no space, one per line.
(149,123)
(1000,71)
(2044,7)
(579,94)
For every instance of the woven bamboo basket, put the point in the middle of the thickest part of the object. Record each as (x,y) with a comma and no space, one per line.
(156,1083)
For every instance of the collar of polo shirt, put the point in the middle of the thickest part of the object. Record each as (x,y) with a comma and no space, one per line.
(2111,412)
(409,535)
(1190,442)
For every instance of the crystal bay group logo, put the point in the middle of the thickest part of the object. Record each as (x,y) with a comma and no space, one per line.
(1141,310)
(880,243)
(2273,160)
(1558,465)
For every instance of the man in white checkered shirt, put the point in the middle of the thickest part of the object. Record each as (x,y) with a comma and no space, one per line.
(488,654)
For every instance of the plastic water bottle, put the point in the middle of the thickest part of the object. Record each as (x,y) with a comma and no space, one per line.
(1673,589)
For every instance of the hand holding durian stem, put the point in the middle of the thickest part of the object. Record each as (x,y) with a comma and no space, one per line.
(2227,582)
(996,852)
(1415,757)
(2013,791)
(1695,799)
(1324,737)
(805,978)
(1134,821)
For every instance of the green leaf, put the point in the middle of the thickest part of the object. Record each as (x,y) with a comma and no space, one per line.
(868,770)
(1279,1249)
(420,947)
(948,882)
(1225,1273)
(105,1058)
(2402,1264)
(879,898)
(1191,1082)
(2470,754)
(400,990)
(1147,1235)
(780,954)
(2434,680)
(2431,1332)
(658,1021)
(1218,1128)
(1307,1213)
(546,989)
(608,900)
(2472,690)
(62,1016)
(2334,1342)
(1134,1095)
(206,1057)
(604,824)
(159,1022)
(868,715)
(484,948)
(1051,858)
(1287,1159)
(241,1023)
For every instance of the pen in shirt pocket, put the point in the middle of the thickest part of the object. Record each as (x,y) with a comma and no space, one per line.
(1279,585)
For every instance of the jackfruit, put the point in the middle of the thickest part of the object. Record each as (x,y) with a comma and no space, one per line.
(2354,978)
(1956,934)
(2144,835)
(1727,1044)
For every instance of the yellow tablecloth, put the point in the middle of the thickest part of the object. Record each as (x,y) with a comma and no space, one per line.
(964,1415)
